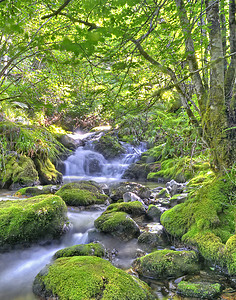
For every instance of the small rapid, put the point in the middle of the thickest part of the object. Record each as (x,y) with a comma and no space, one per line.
(86,163)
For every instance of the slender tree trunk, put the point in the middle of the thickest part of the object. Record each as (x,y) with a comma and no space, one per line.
(215,119)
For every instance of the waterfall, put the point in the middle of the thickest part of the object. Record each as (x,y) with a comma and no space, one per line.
(86,163)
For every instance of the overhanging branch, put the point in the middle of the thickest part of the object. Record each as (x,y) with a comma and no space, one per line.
(56,12)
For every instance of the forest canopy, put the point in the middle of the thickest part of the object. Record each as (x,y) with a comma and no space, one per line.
(123,61)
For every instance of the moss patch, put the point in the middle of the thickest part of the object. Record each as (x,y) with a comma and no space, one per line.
(134,208)
(180,169)
(47,172)
(81,194)
(36,190)
(32,219)
(206,219)
(230,252)
(167,263)
(19,169)
(199,290)
(88,278)
(118,224)
(92,249)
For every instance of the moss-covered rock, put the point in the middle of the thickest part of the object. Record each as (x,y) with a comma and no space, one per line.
(19,170)
(134,208)
(167,263)
(118,224)
(117,190)
(88,185)
(47,171)
(82,194)
(86,277)
(92,249)
(200,290)
(109,146)
(230,253)
(206,220)
(37,190)
(32,219)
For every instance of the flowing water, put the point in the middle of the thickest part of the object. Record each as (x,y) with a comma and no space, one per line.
(86,163)
(19,267)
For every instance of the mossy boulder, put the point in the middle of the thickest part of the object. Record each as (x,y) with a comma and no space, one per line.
(118,224)
(109,146)
(117,190)
(37,190)
(47,171)
(230,253)
(19,171)
(167,263)
(206,219)
(32,219)
(87,277)
(134,208)
(82,194)
(201,290)
(92,249)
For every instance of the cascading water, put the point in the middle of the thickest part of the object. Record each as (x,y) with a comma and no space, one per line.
(19,267)
(86,163)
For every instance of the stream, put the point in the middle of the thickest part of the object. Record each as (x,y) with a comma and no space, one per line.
(19,267)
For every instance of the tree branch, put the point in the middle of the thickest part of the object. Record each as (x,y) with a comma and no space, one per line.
(55,13)
(171,73)
(91,25)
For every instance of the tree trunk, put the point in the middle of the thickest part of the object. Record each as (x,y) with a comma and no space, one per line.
(215,118)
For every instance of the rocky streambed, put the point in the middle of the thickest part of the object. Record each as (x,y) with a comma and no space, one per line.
(112,247)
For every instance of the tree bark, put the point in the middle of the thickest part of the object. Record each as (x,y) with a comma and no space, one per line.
(215,121)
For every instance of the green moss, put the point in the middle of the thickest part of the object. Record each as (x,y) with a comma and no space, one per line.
(35,191)
(89,185)
(230,253)
(31,219)
(92,249)
(167,263)
(181,169)
(177,220)
(209,245)
(80,197)
(47,172)
(88,278)
(206,219)
(199,290)
(117,224)
(19,169)
(134,208)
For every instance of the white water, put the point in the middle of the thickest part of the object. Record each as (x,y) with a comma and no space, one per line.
(86,163)
(18,268)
